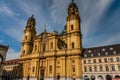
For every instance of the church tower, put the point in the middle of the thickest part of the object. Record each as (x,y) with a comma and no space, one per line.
(74,41)
(28,37)
(73,27)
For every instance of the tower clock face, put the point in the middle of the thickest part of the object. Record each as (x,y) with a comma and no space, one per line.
(27,33)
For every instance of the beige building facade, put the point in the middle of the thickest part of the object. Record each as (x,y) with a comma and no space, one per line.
(3,52)
(10,70)
(101,63)
(53,56)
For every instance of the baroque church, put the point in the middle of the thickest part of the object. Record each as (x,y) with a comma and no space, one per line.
(53,56)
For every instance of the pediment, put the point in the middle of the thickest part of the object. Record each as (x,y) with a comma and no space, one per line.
(44,35)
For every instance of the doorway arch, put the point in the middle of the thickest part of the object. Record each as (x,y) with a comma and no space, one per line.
(1,59)
(92,77)
(100,77)
(86,77)
(108,77)
(117,76)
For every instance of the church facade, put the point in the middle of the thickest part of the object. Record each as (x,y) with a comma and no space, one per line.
(53,56)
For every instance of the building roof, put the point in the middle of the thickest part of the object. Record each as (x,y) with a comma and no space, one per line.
(109,50)
(3,46)
(11,62)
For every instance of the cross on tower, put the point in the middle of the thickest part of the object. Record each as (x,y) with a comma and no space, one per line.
(72,1)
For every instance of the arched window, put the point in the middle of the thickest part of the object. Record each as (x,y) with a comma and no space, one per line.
(23,52)
(72,44)
(44,47)
(26,37)
(71,27)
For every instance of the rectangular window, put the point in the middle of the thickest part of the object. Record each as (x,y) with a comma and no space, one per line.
(33,69)
(95,68)
(107,68)
(50,69)
(101,68)
(73,61)
(84,61)
(35,47)
(113,68)
(72,44)
(85,68)
(90,68)
(94,60)
(119,67)
(51,45)
(111,59)
(44,47)
(118,59)
(100,60)
(89,61)
(105,59)
(73,69)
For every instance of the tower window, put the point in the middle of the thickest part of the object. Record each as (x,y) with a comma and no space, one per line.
(51,46)
(71,27)
(35,47)
(23,52)
(26,37)
(72,44)
(44,47)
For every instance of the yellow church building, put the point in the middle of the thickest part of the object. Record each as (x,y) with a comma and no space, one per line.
(53,56)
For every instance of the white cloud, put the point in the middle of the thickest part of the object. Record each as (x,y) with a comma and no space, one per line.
(59,11)
(7,11)
(16,31)
(1,41)
(93,14)
(12,54)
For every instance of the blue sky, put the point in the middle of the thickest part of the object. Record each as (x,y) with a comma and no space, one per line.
(100,20)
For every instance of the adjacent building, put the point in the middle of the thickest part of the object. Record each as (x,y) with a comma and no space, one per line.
(101,63)
(11,70)
(3,52)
